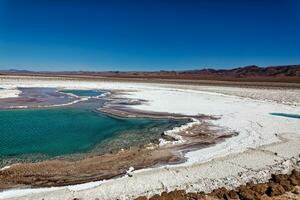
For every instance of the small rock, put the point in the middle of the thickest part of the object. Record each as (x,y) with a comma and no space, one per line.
(233,194)
(293,181)
(219,193)
(193,196)
(296,174)
(246,193)
(177,195)
(279,177)
(129,171)
(260,188)
(296,190)
(286,185)
(296,181)
(201,195)
(250,184)
(156,197)
(141,198)
(265,197)
(164,195)
(275,189)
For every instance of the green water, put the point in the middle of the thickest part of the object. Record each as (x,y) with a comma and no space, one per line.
(55,132)
(286,115)
(91,93)
(30,135)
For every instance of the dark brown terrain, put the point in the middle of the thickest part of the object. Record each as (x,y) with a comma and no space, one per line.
(279,187)
(287,74)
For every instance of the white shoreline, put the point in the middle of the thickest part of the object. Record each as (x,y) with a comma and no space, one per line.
(239,112)
(12,93)
(9,92)
(173,133)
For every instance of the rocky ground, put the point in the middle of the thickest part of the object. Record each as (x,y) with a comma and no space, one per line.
(281,186)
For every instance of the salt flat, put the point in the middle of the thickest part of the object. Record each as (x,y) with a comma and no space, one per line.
(9,92)
(248,156)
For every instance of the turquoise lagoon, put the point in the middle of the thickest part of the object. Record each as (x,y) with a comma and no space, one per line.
(72,130)
(80,93)
(286,115)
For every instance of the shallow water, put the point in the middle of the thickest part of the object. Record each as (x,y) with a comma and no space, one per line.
(37,134)
(36,97)
(286,115)
(65,131)
(80,93)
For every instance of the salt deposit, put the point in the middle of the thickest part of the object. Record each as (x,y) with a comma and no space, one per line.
(242,110)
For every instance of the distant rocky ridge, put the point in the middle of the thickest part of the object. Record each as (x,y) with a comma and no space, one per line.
(286,73)
(253,70)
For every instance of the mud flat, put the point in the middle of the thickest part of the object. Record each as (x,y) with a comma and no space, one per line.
(265,144)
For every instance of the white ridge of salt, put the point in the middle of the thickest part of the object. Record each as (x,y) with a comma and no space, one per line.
(5,168)
(173,133)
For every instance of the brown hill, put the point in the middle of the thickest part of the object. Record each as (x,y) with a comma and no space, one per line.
(286,73)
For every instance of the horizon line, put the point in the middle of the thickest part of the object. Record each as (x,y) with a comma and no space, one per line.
(160,70)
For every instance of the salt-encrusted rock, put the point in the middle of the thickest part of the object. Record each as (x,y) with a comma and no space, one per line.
(129,171)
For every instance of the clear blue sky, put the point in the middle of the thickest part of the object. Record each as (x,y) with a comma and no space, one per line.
(147,34)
